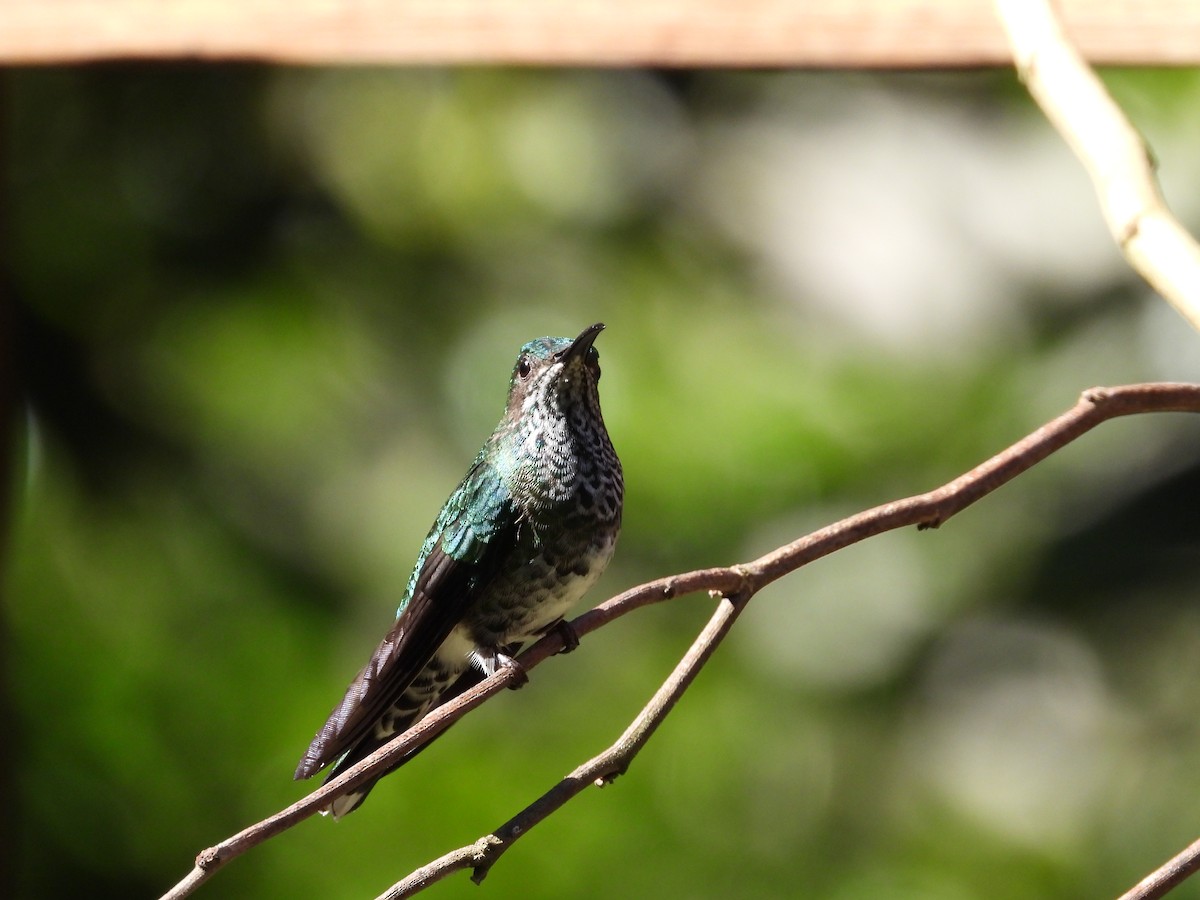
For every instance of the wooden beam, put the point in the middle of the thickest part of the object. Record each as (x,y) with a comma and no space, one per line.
(734,33)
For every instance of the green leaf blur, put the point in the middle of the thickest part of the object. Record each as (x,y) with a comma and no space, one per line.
(265,317)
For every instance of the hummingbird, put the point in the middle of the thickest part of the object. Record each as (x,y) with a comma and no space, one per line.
(521,539)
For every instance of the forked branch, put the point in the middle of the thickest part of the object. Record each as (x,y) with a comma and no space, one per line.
(736,585)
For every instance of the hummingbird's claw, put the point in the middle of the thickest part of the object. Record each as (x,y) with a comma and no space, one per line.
(566,631)
(520,676)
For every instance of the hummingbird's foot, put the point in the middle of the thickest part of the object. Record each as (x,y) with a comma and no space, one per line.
(566,631)
(492,660)
(520,676)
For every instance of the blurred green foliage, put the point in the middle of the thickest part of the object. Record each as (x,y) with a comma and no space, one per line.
(266,316)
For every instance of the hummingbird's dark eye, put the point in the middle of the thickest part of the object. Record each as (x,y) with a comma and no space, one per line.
(523,367)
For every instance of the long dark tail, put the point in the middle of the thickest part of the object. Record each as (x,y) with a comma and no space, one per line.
(352,799)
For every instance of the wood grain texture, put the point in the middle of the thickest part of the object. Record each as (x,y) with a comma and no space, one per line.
(733,33)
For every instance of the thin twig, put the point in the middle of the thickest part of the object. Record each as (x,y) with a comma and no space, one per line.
(212,859)
(599,770)
(1076,102)
(1166,877)
(740,582)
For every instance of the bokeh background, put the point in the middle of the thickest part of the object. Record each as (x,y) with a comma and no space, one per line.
(263,318)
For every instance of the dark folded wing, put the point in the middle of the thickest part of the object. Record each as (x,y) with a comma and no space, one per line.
(475,532)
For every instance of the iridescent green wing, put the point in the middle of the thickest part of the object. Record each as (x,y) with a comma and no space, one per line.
(475,531)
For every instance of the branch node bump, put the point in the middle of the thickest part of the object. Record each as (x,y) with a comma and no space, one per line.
(747,585)
(1096,395)
(209,858)
(1151,156)
(1128,232)
(486,846)
(484,853)
(608,777)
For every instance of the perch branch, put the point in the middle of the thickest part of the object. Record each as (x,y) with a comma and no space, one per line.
(737,584)
(1114,154)
(599,770)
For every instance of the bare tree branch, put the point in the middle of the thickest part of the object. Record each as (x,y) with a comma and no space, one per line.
(599,770)
(1122,171)
(1166,877)
(735,583)
(1076,102)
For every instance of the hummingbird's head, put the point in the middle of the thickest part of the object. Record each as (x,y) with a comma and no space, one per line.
(555,368)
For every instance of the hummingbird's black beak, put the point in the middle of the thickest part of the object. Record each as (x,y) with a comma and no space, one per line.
(583,343)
